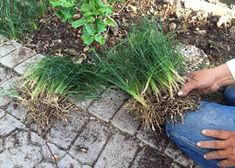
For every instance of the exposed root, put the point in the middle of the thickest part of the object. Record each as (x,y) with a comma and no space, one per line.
(164,109)
(45,110)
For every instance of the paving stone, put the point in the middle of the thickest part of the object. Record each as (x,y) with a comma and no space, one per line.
(59,154)
(3,39)
(45,165)
(109,103)
(24,156)
(84,104)
(4,75)
(118,153)
(90,142)
(151,158)
(21,68)
(2,113)
(155,139)
(125,121)
(63,133)
(16,139)
(173,152)
(4,100)
(36,139)
(69,162)
(86,166)
(17,57)
(8,47)
(8,124)
(17,110)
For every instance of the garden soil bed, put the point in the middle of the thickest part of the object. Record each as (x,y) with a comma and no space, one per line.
(57,38)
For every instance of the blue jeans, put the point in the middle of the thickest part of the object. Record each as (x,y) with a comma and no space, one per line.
(209,116)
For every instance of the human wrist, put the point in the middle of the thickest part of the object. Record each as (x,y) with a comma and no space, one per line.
(224,76)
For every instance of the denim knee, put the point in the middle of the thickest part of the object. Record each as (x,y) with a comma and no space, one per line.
(229,95)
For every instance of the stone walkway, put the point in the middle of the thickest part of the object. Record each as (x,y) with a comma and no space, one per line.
(104,136)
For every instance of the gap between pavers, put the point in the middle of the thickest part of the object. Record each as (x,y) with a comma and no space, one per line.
(8,47)
(9,84)
(125,121)
(118,153)
(21,68)
(9,124)
(106,107)
(90,142)
(16,57)
(64,132)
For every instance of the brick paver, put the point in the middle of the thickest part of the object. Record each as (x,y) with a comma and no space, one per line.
(21,68)
(118,153)
(107,106)
(63,133)
(16,57)
(90,142)
(8,47)
(126,121)
(105,135)
(9,84)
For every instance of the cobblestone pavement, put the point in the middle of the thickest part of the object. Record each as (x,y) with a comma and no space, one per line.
(104,136)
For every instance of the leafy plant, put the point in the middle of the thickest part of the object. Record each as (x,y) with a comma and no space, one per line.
(19,16)
(65,8)
(96,18)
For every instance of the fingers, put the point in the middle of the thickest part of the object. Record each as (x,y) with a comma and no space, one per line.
(216,144)
(190,85)
(219,154)
(220,134)
(226,163)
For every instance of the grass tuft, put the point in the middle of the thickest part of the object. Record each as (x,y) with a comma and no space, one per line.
(19,16)
(61,76)
(148,67)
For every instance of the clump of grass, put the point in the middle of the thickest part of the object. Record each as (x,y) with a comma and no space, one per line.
(61,76)
(19,16)
(48,84)
(147,66)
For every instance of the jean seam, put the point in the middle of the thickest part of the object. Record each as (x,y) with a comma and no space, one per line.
(187,141)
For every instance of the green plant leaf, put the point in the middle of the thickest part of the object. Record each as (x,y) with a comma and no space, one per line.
(100,39)
(87,39)
(85,7)
(89,29)
(101,26)
(78,23)
(109,21)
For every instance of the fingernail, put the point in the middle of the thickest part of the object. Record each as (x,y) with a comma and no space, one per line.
(204,132)
(204,156)
(199,144)
(180,93)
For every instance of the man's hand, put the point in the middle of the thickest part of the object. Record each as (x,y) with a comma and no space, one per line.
(208,80)
(225,146)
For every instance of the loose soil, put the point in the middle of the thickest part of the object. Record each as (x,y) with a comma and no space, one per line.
(57,38)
